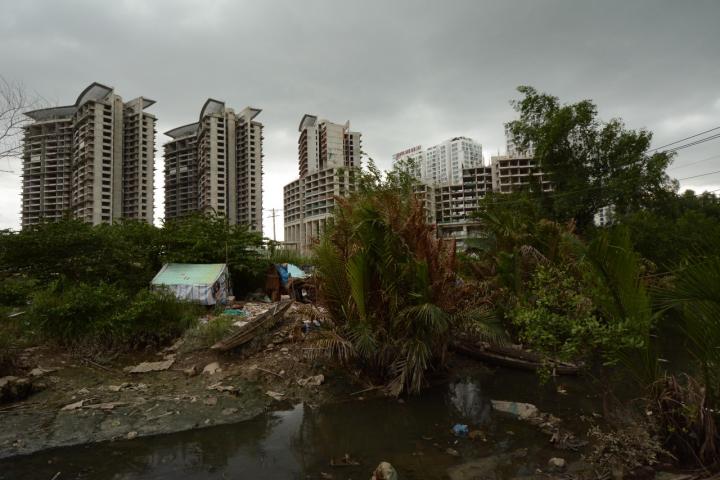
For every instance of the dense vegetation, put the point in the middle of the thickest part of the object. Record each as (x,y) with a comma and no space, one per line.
(88,287)
(609,298)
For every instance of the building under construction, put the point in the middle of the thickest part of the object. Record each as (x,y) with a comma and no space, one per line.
(92,160)
(215,165)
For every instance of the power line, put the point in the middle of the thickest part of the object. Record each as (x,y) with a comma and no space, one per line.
(686,138)
(692,144)
(694,163)
(701,175)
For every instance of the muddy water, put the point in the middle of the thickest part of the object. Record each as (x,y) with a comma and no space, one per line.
(300,442)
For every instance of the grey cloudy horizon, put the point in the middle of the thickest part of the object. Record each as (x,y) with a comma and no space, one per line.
(403,72)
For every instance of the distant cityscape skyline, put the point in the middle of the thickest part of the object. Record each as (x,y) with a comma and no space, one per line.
(405,73)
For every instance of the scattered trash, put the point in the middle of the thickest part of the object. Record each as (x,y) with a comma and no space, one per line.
(384,471)
(211,368)
(131,435)
(523,411)
(275,395)
(452,451)
(344,461)
(235,312)
(460,430)
(556,464)
(145,367)
(313,381)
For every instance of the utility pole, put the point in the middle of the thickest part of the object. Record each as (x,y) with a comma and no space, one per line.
(273,217)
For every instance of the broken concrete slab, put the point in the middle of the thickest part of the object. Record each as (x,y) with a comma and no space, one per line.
(211,368)
(523,411)
(145,367)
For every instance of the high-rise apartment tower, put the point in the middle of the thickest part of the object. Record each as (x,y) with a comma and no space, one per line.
(92,160)
(215,165)
(328,157)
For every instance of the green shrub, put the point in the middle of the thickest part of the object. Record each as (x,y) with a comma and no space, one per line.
(79,314)
(205,335)
(16,291)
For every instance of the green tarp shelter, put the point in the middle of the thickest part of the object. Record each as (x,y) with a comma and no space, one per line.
(205,283)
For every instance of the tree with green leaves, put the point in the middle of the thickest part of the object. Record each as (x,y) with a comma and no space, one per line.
(591,163)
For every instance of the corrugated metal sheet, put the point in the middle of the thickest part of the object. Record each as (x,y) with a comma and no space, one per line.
(188,274)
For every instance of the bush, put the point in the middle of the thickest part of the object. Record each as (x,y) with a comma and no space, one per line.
(80,314)
(205,335)
(16,291)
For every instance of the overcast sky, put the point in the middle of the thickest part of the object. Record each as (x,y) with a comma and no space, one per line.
(404,73)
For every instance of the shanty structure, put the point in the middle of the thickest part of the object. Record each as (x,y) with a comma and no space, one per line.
(204,283)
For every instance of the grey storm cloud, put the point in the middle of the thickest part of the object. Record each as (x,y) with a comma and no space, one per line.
(403,72)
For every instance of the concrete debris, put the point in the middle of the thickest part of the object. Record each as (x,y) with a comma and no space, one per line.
(275,395)
(523,411)
(384,471)
(314,381)
(39,371)
(104,405)
(127,386)
(229,411)
(73,406)
(557,464)
(211,368)
(145,367)
(222,388)
(452,451)
(210,401)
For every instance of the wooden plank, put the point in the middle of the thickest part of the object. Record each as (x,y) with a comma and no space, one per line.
(260,324)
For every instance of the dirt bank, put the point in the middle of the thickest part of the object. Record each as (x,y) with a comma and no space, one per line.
(82,401)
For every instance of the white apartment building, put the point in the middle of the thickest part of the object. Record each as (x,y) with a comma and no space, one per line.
(444,163)
(328,158)
(93,159)
(215,165)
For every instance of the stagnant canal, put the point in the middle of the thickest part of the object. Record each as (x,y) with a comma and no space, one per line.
(299,442)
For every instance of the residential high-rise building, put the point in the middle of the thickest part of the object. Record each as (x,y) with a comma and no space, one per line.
(328,157)
(92,160)
(444,163)
(215,165)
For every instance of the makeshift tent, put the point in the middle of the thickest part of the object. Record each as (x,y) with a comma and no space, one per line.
(206,284)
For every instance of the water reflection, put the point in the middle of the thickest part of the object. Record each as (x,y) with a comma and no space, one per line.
(299,443)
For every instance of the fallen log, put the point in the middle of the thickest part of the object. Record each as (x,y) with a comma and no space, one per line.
(255,327)
(512,357)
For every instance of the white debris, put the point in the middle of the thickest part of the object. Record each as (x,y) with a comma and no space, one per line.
(211,368)
(145,367)
(313,381)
